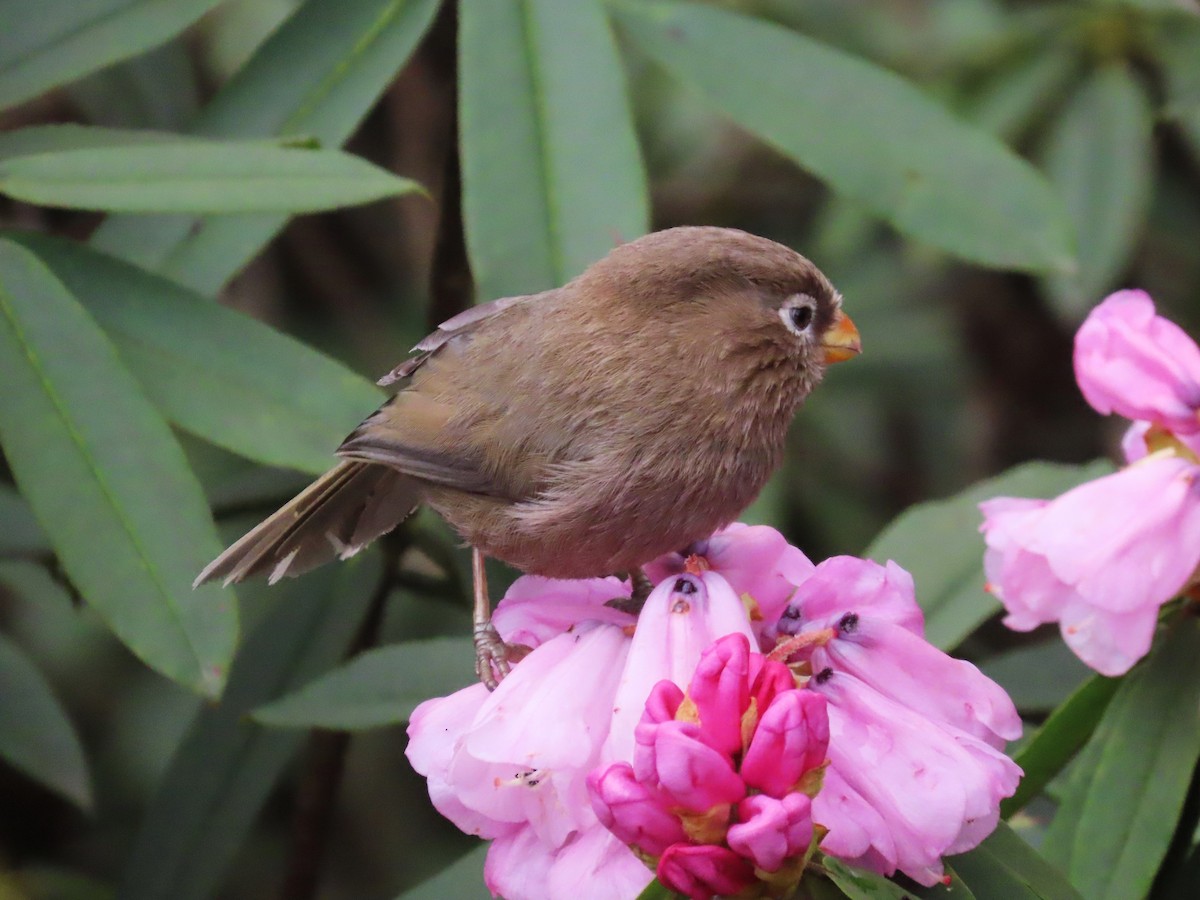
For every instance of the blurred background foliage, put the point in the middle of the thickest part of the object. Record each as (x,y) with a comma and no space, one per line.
(972,174)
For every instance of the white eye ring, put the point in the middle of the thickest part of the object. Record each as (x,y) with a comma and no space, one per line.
(798,314)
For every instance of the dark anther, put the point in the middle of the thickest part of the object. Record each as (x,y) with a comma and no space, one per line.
(824,675)
(848,623)
(791,612)
(685,586)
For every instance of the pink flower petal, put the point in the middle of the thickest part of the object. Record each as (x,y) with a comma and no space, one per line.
(693,775)
(1137,364)
(638,816)
(702,872)
(770,831)
(792,737)
(720,690)
(535,609)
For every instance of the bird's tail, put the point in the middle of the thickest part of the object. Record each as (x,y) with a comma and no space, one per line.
(335,516)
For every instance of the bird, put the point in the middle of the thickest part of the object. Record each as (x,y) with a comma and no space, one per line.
(584,430)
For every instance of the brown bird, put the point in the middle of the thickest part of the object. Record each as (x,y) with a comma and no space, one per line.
(585,430)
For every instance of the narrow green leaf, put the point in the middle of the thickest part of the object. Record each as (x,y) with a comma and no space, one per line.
(1058,740)
(200,176)
(35,734)
(871,135)
(939,543)
(20,534)
(157,90)
(379,687)
(64,39)
(1118,817)
(1018,94)
(462,880)
(217,373)
(1004,867)
(1100,157)
(106,480)
(38,139)
(317,75)
(859,884)
(226,766)
(552,176)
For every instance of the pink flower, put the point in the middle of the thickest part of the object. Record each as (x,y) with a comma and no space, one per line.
(754,560)
(1101,559)
(591,746)
(770,831)
(1139,365)
(914,773)
(513,765)
(936,789)
(704,871)
(692,764)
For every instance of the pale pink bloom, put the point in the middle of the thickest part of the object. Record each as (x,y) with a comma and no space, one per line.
(937,789)
(520,866)
(1100,560)
(512,765)
(913,773)
(1139,365)
(536,609)
(683,616)
(755,560)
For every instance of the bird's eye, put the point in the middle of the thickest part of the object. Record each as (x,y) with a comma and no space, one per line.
(798,317)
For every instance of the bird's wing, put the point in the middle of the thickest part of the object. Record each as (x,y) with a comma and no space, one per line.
(456,326)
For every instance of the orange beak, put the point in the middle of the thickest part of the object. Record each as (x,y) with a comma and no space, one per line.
(841,341)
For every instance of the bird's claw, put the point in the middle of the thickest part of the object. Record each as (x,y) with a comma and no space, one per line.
(493,657)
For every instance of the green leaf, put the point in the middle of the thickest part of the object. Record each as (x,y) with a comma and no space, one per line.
(36,736)
(20,534)
(107,481)
(1100,157)
(859,884)
(1038,676)
(318,74)
(227,766)
(462,879)
(379,687)
(200,176)
(552,176)
(1004,867)
(1018,94)
(939,543)
(1119,813)
(868,133)
(1059,739)
(217,373)
(38,139)
(1177,46)
(64,39)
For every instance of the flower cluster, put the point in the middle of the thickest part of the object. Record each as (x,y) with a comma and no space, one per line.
(815,712)
(722,776)
(1104,557)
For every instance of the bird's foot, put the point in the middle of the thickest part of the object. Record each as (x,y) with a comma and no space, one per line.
(494,658)
(641,588)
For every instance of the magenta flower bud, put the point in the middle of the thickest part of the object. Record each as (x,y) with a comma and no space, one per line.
(705,871)
(694,775)
(661,706)
(768,679)
(720,691)
(631,811)
(792,737)
(770,831)
(1139,365)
